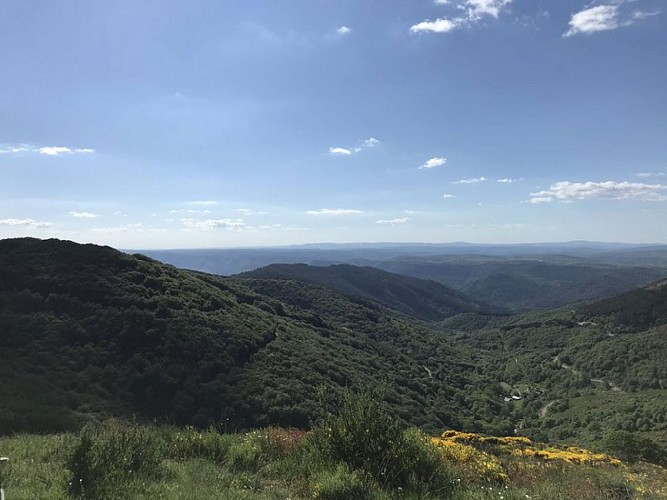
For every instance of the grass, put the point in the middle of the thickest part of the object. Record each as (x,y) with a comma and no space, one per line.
(358,451)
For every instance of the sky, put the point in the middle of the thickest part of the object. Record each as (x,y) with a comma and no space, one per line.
(167,124)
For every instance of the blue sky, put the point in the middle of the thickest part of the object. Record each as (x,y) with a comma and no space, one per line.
(164,124)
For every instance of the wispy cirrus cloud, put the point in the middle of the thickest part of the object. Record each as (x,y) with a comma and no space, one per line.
(510,180)
(369,143)
(44,150)
(468,13)
(335,211)
(433,163)
(207,225)
(202,203)
(567,192)
(448,196)
(137,226)
(31,223)
(472,180)
(15,149)
(83,215)
(646,175)
(250,211)
(188,211)
(393,222)
(607,16)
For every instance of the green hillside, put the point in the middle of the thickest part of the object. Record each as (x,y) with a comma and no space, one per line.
(526,283)
(423,299)
(88,332)
(639,308)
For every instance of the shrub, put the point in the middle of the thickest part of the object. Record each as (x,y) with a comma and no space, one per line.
(364,437)
(417,466)
(108,456)
(360,433)
(474,464)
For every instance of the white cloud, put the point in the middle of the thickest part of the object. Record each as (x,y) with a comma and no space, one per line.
(233,224)
(479,8)
(369,143)
(570,191)
(472,180)
(639,15)
(59,150)
(610,16)
(54,150)
(119,229)
(344,30)
(437,26)
(188,211)
(433,162)
(45,150)
(340,151)
(509,180)
(651,174)
(335,211)
(22,148)
(473,12)
(594,19)
(393,222)
(447,196)
(24,222)
(83,215)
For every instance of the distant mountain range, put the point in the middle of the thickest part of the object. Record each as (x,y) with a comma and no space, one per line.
(512,277)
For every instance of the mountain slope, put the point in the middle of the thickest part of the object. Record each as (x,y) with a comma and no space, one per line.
(640,308)
(525,283)
(423,299)
(88,331)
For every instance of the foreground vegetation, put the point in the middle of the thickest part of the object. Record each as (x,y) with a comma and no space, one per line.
(358,451)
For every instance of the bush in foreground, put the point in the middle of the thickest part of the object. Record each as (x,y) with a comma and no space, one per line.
(110,456)
(364,437)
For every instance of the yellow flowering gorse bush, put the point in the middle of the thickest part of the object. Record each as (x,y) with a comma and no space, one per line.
(516,446)
(472,461)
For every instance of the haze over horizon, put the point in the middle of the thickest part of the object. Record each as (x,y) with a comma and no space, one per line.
(214,124)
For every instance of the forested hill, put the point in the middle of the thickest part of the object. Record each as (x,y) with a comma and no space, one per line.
(421,298)
(522,283)
(87,332)
(639,309)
